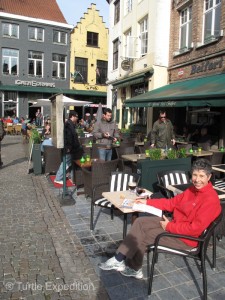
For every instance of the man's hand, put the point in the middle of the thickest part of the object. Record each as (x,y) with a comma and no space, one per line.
(173,141)
(164,222)
(106,134)
(152,145)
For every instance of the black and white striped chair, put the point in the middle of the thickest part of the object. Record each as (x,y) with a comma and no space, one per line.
(173,177)
(198,253)
(118,182)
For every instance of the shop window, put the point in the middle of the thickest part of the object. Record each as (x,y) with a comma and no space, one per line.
(186,28)
(35,63)
(10,30)
(35,34)
(116,11)
(59,37)
(58,66)
(212,16)
(115,54)
(101,72)
(10,61)
(81,70)
(92,39)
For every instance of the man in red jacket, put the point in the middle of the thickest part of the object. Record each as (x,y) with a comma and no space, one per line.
(193,211)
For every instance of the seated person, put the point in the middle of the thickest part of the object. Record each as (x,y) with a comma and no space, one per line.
(46,132)
(204,140)
(193,211)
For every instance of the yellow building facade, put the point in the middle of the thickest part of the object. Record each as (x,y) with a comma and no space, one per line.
(89,53)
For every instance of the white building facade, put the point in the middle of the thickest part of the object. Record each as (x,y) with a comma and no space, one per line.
(138,55)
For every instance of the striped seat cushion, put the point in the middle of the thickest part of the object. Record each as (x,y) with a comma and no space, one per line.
(220,184)
(164,248)
(103,202)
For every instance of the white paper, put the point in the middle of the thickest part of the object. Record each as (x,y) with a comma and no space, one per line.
(147,208)
(127,203)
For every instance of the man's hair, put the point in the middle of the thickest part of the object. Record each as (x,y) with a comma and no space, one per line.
(73,114)
(161,112)
(202,164)
(107,110)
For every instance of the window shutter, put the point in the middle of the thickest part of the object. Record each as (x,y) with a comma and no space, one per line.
(131,47)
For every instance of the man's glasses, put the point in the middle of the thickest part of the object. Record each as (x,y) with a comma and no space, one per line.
(162,117)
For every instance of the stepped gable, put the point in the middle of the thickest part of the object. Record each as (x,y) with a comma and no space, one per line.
(41,9)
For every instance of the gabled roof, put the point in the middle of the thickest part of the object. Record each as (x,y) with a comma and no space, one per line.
(40,9)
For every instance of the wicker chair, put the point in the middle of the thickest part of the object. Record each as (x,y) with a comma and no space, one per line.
(198,254)
(118,182)
(52,159)
(100,173)
(125,166)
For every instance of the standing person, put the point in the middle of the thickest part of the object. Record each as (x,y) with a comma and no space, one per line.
(72,146)
(105,133)
(162,134)
(193,211)
(39,117)
(2,134)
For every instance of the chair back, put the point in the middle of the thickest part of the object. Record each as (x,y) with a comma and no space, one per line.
(185,146)
(127,143)
(124,150)
(94,151)
(101,171)
(52,159)
(205,146)
(119,180)
(166,178)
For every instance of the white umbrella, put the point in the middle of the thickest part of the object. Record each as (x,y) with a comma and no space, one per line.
(66,100)
(99,113)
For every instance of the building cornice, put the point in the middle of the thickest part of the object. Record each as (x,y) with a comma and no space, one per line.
(35,20)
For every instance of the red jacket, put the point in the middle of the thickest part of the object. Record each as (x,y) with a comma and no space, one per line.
(193,211)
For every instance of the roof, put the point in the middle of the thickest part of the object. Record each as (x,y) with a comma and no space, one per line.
(40,9)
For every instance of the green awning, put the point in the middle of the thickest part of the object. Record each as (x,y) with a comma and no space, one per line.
(205,91)
(130,80)
(47,90)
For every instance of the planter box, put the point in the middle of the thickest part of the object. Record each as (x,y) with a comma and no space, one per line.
(36,159)
(148,170)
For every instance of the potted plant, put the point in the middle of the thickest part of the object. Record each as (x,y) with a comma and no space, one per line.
(36,151)
(161,161)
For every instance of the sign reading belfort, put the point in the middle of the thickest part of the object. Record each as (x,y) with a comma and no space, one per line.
(207,66)
(34,83)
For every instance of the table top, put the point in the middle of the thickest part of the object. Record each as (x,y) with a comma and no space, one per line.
(133,157)
(139,143)
(179,188)
(200,153)
(220,168)
(86,164)
(117,198)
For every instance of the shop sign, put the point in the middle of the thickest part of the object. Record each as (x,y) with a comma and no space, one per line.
(126,65)
(180,72)
(207,65)
(34,83)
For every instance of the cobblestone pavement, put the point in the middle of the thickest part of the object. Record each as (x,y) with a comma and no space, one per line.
(40,256)
(48,251)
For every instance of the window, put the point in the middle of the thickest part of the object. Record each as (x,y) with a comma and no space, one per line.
(59,37)
(115,54)
(212,19)
(10,30)
(126,42)
(59,66)
(144,36)
(81,70)
(10,61)
(101,72)
(186,28)
(35,63)
(92,39)
(116,11)
(36,34)
(128,7)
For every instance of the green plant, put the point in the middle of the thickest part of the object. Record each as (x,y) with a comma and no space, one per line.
(172,154)
(35,136)
(155,154)
(182,152)
(125,130)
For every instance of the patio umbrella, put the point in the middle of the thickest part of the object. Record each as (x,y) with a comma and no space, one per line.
(99,113)
(66,100)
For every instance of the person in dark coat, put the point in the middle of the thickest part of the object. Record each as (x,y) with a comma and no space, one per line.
(72,146)
(2,133)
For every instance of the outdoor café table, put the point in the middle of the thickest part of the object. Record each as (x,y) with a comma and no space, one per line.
(139,143)
(133,157)
(117,198)
(220,168)
(201,153)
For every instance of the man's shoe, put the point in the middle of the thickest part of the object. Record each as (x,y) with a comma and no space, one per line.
(132,273)
(112,264)
(58,181)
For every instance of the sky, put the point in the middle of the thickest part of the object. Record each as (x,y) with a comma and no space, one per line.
(73,10)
